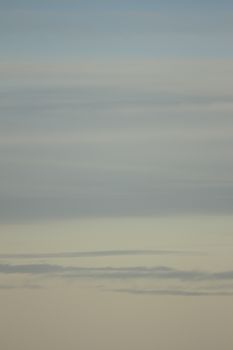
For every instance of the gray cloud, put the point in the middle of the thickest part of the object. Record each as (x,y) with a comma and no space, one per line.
(169,281)
(103,253)
(121,273)
(7,286)
(33,269)
(173,292)
(26,285)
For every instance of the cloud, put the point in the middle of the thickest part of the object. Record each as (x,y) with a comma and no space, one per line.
(120,273)
(96,254)
(20,286)
(173,292)
(7,286)
(33,269)
(166,281)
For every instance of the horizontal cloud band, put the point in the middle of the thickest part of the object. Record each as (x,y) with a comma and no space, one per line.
(137,272)
(96,253)
(173,292)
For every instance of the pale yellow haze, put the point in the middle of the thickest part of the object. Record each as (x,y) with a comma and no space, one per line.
(88,314)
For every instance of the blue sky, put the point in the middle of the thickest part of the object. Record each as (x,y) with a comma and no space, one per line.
(35,30)
(123,5)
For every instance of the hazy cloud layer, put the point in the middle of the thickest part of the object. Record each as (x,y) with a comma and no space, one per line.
(108,138)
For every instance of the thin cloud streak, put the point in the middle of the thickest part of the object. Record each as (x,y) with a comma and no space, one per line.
(172,292)
(24,286)
(101,253)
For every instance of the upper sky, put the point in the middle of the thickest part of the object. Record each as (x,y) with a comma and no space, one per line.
(115,108)
(122,5)
(67,29)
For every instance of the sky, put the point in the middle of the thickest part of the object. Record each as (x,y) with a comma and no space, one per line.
(116,181)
